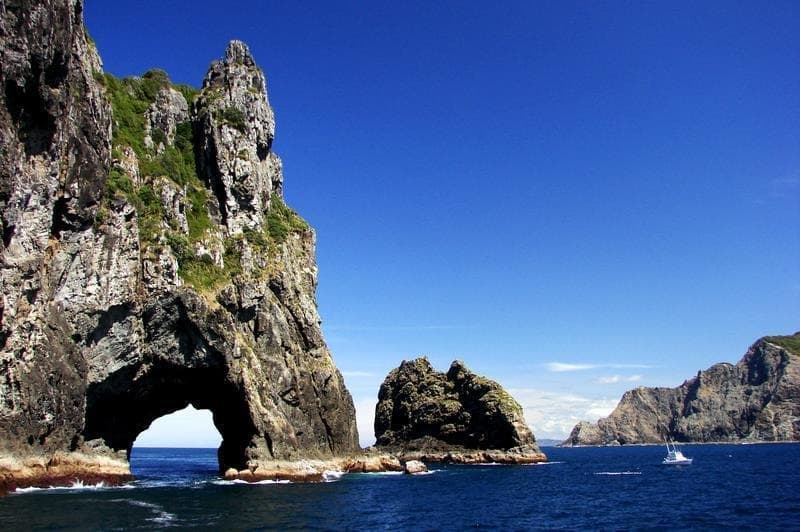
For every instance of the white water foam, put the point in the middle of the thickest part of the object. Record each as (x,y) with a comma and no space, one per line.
(257,483)
(332,476)
(28,490)
(75,486)
(618,473)
(428,472)
(160,515)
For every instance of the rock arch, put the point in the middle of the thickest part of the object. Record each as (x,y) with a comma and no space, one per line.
(184,369)
(119,409)
(100,333)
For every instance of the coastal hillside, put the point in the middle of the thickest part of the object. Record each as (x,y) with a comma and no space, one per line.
(757,399)
(148,262)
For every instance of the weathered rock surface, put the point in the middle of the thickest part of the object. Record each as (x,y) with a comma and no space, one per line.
(758,399)
(129,290)
(237,126)
(423,414)
(169,109)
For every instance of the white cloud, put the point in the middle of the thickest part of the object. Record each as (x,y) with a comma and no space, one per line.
(184,428)
(614,379)
(559,367)
(195,428)
(365,419)
(552,414)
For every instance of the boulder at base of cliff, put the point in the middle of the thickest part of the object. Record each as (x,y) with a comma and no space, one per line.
(414,467)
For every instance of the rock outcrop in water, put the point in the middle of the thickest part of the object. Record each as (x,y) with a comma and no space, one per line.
(451,417)
(758,399)
(148,270)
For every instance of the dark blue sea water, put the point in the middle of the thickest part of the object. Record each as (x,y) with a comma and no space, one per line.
(740,486)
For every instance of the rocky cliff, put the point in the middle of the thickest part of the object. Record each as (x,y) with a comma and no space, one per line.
(758,399)
(455,416)
(148,262)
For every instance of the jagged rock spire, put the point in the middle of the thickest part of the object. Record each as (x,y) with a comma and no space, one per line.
(418,404)
(237,126)
(237,52)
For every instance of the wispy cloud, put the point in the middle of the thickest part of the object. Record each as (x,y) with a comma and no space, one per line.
(560,367)
(614,379)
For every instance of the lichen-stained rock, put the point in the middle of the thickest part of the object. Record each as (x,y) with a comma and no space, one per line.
(130,286)
(757,399)
(163,116)
(435,416)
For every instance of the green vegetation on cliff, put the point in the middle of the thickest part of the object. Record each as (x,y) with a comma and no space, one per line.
(282,220)
(130,99)
(790,343)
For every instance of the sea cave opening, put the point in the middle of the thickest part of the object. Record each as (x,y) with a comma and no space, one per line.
(177,447)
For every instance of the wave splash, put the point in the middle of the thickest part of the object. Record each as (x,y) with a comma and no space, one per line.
(75,486)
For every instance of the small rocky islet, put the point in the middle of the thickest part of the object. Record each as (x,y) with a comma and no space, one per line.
(149,262)
(456,417)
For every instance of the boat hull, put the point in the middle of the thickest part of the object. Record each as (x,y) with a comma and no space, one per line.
(685,461)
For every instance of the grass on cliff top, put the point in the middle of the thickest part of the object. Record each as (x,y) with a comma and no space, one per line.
(790,343)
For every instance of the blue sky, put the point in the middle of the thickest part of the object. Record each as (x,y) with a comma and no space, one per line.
(609,186)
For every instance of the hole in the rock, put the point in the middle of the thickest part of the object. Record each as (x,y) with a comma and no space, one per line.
(177,448)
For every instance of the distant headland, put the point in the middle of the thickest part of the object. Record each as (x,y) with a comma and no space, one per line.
(757,399)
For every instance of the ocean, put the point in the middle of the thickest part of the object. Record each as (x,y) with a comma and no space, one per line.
(739,486)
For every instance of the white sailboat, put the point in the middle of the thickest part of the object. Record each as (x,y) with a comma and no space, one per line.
(675,457)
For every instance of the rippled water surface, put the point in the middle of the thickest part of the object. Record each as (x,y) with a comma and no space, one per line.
(741,486)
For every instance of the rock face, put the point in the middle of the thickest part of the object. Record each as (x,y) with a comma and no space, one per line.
(758,399)
(237,126)
(164,272)
(453,416)
(161,121)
